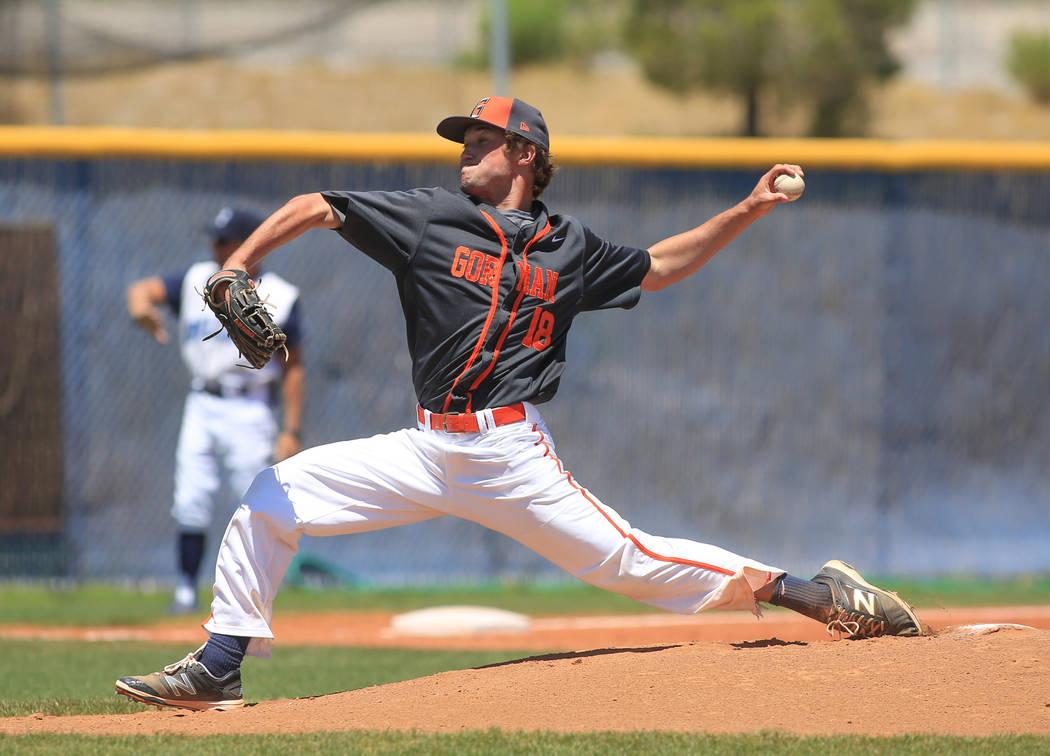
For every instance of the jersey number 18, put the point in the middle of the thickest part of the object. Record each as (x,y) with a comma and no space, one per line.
(540,330)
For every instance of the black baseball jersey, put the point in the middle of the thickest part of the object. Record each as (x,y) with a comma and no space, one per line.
(487,302)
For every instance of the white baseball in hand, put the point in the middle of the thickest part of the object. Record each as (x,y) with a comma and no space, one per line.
(792,186)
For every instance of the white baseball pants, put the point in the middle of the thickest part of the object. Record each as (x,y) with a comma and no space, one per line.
(508,479)
(235,434)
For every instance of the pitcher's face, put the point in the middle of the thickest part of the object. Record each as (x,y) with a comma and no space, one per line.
(485,168)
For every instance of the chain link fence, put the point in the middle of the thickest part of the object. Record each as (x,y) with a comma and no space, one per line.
(863,374)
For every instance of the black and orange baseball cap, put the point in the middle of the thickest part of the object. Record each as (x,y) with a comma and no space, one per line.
(507,113)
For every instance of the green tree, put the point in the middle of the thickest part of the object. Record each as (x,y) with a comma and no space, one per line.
(543,31)
(707,44)
(821,53)
(845,52)
(1028,61)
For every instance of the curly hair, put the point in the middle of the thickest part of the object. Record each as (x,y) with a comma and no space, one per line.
(543,166)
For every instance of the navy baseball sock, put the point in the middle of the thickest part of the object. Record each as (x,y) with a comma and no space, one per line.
(191,552)
(803,596)
(223,653)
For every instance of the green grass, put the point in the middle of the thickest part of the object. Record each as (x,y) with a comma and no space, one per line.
(98,604)
(493,742)
(66,678)
(966,590)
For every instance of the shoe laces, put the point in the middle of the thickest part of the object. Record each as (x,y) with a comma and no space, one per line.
(855,625)
(179,665)
(183,663)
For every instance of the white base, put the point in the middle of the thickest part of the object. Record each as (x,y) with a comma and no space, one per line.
(458,620)
(984,628)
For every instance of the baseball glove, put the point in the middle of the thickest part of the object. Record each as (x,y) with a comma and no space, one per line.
(231,295)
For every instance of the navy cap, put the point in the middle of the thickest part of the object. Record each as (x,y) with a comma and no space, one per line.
(506,113)
(233,224)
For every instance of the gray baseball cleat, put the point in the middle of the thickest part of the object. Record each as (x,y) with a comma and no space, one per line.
(186,684)
(182,607)
(863,610)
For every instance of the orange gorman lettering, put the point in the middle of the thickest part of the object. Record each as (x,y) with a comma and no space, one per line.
(459,262)
(531,281)
(490,275)
(475,266)
(537,283)
(552,283)
(524,269)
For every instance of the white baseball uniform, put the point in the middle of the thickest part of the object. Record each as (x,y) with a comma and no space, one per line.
(223,396)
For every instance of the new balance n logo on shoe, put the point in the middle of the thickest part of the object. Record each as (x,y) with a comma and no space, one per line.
(864,600)
(182,683)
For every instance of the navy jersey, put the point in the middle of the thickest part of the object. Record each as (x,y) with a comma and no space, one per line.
(488,303)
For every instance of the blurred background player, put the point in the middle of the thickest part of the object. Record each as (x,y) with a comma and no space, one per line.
(222,394)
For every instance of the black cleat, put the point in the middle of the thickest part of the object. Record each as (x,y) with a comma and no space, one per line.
(186,684)
(863,610)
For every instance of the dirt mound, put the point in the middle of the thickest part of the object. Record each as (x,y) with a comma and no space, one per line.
(978,679)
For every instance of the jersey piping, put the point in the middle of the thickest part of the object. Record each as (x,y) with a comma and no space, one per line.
(513,312)
(488,320)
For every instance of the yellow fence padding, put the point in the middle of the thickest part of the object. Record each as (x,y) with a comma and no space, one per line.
(844,154)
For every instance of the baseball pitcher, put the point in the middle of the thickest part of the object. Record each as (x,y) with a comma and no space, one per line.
(490,280)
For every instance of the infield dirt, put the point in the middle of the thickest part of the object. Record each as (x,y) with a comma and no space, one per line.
(979,672)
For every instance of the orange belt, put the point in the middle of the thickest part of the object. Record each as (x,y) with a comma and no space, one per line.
(468,423)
